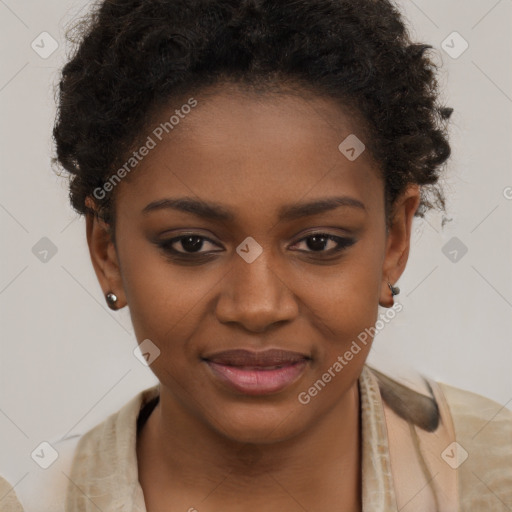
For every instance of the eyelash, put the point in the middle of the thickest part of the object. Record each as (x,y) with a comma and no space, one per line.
(166,245)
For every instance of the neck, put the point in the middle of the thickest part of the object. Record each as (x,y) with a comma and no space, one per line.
(319,466)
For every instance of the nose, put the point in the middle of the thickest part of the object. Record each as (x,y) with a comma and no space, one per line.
(255,296)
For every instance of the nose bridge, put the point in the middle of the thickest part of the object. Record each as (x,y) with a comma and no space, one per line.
(253,292)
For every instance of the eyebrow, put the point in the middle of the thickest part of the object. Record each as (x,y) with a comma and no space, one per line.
(216,212)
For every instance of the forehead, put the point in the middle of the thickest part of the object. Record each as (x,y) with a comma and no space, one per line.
(252,151)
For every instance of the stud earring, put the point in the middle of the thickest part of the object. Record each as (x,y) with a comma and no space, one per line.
(394,289)
(111,299)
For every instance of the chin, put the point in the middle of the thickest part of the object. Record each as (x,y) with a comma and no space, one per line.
(259,424)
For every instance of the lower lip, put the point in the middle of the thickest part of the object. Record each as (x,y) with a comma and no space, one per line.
(258,382)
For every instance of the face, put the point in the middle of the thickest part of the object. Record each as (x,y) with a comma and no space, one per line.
(246,229)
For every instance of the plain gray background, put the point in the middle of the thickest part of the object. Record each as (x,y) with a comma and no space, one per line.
(67,361)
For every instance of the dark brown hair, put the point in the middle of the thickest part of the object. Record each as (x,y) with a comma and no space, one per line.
(134,55)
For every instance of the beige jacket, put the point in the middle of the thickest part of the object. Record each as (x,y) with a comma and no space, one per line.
(427,447)
(8,498)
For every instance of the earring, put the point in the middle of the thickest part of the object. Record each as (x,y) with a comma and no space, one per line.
(111,299)
(394,289)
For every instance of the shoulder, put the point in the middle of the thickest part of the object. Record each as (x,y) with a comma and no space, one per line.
(104,467)
(108,441)
(44,488)
(79,458)
(483,456)
(8,498)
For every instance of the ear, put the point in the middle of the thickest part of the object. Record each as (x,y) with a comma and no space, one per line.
(104,255)
(398,241)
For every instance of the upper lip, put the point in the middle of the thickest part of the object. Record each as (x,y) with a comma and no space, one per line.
(243,357)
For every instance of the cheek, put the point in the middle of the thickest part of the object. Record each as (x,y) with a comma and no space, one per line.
(347,312)
(164,299)
(346,298)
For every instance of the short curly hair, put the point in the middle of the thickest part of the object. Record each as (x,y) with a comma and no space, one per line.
(133,56)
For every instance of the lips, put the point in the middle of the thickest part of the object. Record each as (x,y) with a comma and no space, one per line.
(259,360)
(257,373)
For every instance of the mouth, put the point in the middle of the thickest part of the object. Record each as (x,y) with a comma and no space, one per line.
(257,373)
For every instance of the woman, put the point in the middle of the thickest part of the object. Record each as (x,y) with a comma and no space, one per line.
(249,172)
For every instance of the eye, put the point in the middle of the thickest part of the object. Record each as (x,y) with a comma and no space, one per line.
(190,244)
(318,242)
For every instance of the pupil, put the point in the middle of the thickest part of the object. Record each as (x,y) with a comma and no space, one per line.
(318,242)
(188,245)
